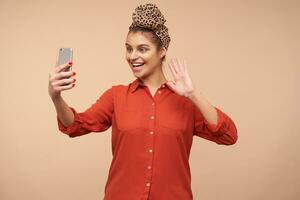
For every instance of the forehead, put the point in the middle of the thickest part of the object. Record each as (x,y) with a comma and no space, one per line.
(138,38)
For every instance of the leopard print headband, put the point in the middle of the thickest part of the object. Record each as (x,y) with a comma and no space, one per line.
(149,16)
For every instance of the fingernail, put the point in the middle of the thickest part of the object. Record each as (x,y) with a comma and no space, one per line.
(70,63)
(74,73)
(74,80)
(73,85)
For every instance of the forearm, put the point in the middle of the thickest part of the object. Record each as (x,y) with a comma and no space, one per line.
(208,110)
(63,111)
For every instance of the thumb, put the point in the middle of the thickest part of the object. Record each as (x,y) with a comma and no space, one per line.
(171,84)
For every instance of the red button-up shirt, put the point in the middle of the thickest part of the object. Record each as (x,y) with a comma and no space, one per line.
(151,139)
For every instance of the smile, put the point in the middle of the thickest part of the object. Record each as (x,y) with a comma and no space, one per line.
(138,64)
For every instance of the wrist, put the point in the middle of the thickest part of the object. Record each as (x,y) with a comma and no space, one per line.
(56,98)
(190,94)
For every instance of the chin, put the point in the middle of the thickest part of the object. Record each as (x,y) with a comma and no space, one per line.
(140,75)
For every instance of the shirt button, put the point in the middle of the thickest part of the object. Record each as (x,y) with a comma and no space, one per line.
(150,150)
(152,117)
(149,167)
(151,132)
(159,92)
(153,104)
(148,184)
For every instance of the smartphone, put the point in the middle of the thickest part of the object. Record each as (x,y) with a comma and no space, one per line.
(65,55)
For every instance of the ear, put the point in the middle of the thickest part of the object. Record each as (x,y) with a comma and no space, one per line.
(162,52)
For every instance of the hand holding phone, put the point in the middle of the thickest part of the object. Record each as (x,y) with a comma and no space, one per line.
(61,78)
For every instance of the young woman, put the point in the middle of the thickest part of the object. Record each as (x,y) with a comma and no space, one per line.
(153,120)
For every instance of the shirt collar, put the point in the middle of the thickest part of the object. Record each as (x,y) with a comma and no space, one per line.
(134,85)
(137,82)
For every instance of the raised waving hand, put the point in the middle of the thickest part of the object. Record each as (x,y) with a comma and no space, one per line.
(181,83)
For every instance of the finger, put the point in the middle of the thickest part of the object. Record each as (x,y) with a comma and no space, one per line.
(175,66)
(182,66)
(171,84)
(62,67)
(185,66)
(62,75)
(172,70)
(63,82)
(66,87)
(179,64)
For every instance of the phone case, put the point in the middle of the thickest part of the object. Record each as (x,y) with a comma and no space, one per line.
(65,55)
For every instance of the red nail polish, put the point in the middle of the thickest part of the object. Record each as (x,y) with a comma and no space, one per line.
(74,73)
(73,85)
(74,80)
(70,63)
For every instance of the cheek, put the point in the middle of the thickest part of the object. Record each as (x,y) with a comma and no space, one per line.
(148,56)
(152,59)
(127,56)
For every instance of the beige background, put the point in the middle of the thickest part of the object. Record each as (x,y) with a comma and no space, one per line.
(243,55)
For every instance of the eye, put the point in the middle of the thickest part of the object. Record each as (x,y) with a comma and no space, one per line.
(128,49)
(143,49)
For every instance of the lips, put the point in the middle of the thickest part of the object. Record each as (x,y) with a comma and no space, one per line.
(137,67)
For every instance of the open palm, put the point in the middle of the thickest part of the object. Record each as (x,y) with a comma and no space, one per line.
(182,83)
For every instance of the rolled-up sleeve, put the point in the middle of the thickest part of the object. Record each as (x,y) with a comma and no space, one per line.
(96,118)
(224,132)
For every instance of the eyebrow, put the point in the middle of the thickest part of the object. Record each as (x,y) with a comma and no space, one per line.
(139,44)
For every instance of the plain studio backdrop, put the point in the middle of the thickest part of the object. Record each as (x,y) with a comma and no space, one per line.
(242,55)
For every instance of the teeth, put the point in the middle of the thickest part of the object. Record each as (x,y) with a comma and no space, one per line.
(137,65)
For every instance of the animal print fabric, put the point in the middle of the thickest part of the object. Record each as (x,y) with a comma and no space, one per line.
(149,16)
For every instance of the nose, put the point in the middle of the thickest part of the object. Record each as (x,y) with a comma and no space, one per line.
(133,55)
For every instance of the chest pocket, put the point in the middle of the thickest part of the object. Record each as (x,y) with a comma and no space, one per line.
(173,117)
(128,119)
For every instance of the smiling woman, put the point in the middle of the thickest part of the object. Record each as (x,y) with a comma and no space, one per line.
(146,44)
(153,120)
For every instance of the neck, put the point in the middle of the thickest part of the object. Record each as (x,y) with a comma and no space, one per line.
(155,80)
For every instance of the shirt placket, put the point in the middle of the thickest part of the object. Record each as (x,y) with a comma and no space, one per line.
(151,135)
